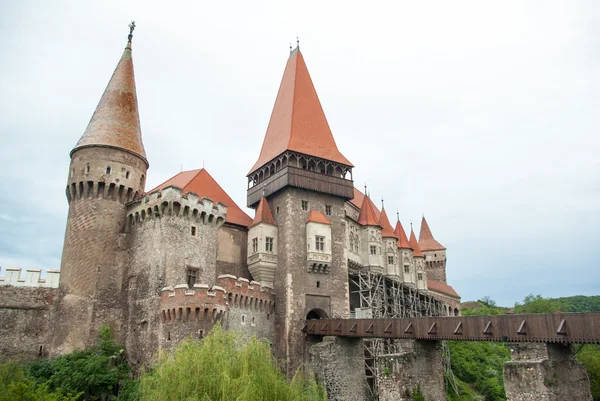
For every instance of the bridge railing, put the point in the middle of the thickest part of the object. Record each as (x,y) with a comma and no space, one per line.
(578,328)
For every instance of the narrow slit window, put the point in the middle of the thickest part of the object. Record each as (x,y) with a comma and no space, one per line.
(193,231)
(127,175)
(108,170)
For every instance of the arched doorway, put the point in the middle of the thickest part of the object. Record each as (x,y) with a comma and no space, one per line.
(316,314)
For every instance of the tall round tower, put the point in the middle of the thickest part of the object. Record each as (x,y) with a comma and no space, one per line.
(108,169)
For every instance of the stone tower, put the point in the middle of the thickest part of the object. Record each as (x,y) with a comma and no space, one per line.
(306,182)
(108,169)
(434,252)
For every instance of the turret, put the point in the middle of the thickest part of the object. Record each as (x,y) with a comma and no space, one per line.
(405,253)
(370,236)
(108,169)
(262,245)
(434,252)
(390,246)
(419,260)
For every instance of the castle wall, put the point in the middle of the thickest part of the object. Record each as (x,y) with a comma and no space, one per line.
(26,316)
(435,264)
(452,306)
(93,267)
(298,291)
(232,251)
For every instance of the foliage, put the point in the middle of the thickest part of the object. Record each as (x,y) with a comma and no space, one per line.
(418,394)
(480,365)
(589,355)
(537,304)
(488,301)
(579,303)
(97,373)
(17,385)
(223,367)
(482,310)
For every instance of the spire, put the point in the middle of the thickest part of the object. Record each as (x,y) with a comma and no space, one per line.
(414,244)
(385,224)
(116,121)
(263,214)
(401,235)
(368,213)
(298,122)
(426,240)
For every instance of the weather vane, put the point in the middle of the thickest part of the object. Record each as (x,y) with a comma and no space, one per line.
(131,28)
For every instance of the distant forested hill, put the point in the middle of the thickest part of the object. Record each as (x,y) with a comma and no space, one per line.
(579,303)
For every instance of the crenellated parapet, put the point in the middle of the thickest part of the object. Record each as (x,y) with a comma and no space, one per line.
(32,278)
(171,201)
(245,294)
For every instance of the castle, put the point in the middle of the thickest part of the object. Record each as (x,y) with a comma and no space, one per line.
(161,264)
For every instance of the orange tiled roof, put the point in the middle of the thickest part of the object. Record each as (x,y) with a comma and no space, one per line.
(317,217)
(426,240)
(263,214)
(203,184)
(387,231)
(116,121)
(358,200)
(401,235)
(368,213)
(298,122)
(414,244)
(442,288)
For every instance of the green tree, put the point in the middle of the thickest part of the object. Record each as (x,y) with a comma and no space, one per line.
(537,304)
(17,385)
(223,367)
(589,355)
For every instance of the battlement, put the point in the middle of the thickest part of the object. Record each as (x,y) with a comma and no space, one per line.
(32,278)
(205,303)
(100,190)
(171,201)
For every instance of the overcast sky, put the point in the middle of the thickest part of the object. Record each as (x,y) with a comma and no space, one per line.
(482,116)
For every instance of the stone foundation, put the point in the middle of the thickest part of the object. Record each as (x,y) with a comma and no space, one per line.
(545,372)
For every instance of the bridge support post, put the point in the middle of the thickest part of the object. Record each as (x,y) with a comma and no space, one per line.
(338,362)
(417,364)
(545,372)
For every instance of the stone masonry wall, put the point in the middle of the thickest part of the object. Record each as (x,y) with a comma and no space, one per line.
(338,362)
(26,319)
(545,372)
(420,364)
(298,291)
(232,251)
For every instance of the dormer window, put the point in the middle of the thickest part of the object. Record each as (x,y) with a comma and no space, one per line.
(320,243)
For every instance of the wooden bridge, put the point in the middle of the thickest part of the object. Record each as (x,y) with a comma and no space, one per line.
(565,328)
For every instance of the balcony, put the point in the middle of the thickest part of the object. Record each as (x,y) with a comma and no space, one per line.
(318,262)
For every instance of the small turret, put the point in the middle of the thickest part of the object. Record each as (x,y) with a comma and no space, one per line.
(390,246)
(434,252)
(371,235)
(405,252)
(419,259)
(262,245)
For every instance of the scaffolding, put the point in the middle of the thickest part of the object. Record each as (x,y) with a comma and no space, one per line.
(374,295)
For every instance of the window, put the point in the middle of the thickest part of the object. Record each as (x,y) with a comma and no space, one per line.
(87,168)
(373,249)
(192,274)
(318,284)
(390,260)
(320,243)
(193,231)
(127,175)
(406,269)
(269,244)
(305,205)
(328,210)
(72,172)
(108,170)
(277,210)
(254,245)
(420,276)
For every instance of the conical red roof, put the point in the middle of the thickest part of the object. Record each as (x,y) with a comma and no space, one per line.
(263,214)
(426,240)
(116,121)
(401,235)
(298,122)
(202,184)
(387,231)
(368,213)
(317,217)
(414,244)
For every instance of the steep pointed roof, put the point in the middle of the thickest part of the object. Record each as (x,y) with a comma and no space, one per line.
(368,213)
(414,244)
(426,240)
(202,184)
(263,214)
(317,217)
(357,201)
(116,121)
(298,122)
(401,235)
(384,222)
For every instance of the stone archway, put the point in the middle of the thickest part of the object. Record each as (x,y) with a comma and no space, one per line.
(316,314)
